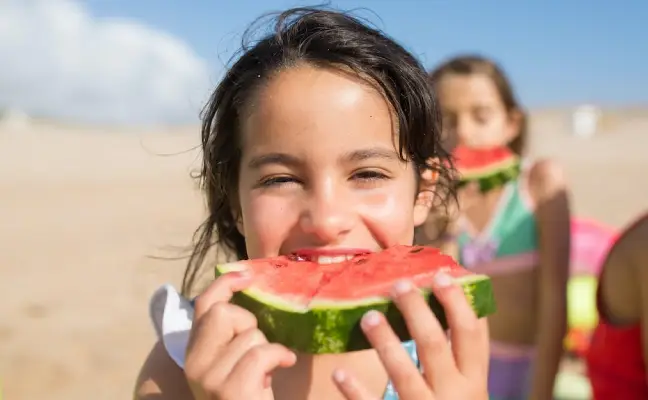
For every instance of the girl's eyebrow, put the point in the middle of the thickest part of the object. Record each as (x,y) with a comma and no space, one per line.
(369,153)
(292,161)
(273,158)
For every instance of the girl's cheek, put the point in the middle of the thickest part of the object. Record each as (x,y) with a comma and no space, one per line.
(268,220)
(388,215)
(378,205)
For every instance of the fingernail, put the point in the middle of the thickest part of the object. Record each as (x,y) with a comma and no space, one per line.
(339,376)
(401,287)
(370,319)
(442,280)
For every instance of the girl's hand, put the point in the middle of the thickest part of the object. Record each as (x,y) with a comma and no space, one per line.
(227,356)
(450,373)
(469,196)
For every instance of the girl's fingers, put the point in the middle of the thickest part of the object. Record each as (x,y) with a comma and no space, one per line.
(217,327)
(230,355)
(215,321)
(432,345)
(221,291)
(469,335)
(220,324)
(405,377)
(350,387)
(257,364)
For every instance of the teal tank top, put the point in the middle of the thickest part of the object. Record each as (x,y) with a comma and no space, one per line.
(410,346)
(510,236)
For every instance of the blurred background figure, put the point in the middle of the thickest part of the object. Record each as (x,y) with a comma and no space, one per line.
(99,112)
(617,354)
(518,232)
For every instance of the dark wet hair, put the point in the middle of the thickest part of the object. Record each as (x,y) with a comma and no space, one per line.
(476,64)
(326,39)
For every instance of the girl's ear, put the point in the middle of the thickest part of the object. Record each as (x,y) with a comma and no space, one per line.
(239,226)
(425,196)
(514,124)
(238,217)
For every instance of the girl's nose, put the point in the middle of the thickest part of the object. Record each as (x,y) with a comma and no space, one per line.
(462,130)
(328,213)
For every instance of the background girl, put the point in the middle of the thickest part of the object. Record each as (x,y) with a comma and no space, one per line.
(618,352)
(518,234)
(314,143)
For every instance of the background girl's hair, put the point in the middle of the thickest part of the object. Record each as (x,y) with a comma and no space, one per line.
(475,64)
(321,38)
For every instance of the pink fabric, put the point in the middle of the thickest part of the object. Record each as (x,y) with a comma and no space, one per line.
(590,243)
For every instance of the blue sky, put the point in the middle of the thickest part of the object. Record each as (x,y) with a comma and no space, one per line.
(557,52)
(155,61)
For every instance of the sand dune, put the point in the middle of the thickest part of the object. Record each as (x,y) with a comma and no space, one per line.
(83,208)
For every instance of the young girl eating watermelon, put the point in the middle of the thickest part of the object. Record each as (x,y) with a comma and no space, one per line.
(314,145)
(513,225)
(618,352)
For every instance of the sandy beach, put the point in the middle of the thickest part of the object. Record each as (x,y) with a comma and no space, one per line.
(86,213)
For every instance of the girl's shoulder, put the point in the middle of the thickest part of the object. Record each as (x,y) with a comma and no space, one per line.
(161,378)
(630,247)
(162,374)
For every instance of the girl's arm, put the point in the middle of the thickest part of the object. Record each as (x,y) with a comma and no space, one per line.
(549,190)
(640,264)
(161,379)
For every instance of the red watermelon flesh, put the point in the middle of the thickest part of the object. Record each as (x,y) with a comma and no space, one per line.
(375,274)
(316,308)
(490,167)
(472,159)
(295,286)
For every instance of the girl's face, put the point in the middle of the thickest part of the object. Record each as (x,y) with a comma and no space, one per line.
(473,112)
(320,175)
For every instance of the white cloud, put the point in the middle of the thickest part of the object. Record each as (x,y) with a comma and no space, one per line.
(58,60)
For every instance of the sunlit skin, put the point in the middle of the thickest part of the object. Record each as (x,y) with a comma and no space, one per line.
(624,282)
(473,115)
(320,168)
(320,176)
(473,111)
(531,304)
(320,171)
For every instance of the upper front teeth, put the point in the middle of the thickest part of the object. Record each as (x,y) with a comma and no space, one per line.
(333,260)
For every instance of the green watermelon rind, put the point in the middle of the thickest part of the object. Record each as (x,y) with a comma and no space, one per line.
(493,176)
(334,327)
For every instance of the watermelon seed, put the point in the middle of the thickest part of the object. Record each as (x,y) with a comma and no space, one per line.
(360,261)
(417,250)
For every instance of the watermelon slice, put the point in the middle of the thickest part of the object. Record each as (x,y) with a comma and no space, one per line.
(491,168)
(316,308)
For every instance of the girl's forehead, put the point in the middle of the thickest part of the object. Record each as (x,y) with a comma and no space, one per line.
(463,90)
(316,109)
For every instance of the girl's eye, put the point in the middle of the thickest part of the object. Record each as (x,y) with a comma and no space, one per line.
(482,119)
(277,181)
(369,176)
(482,115)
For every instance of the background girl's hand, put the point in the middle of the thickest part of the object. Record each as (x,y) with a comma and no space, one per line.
(450,372)
(227,356)
(468,196)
